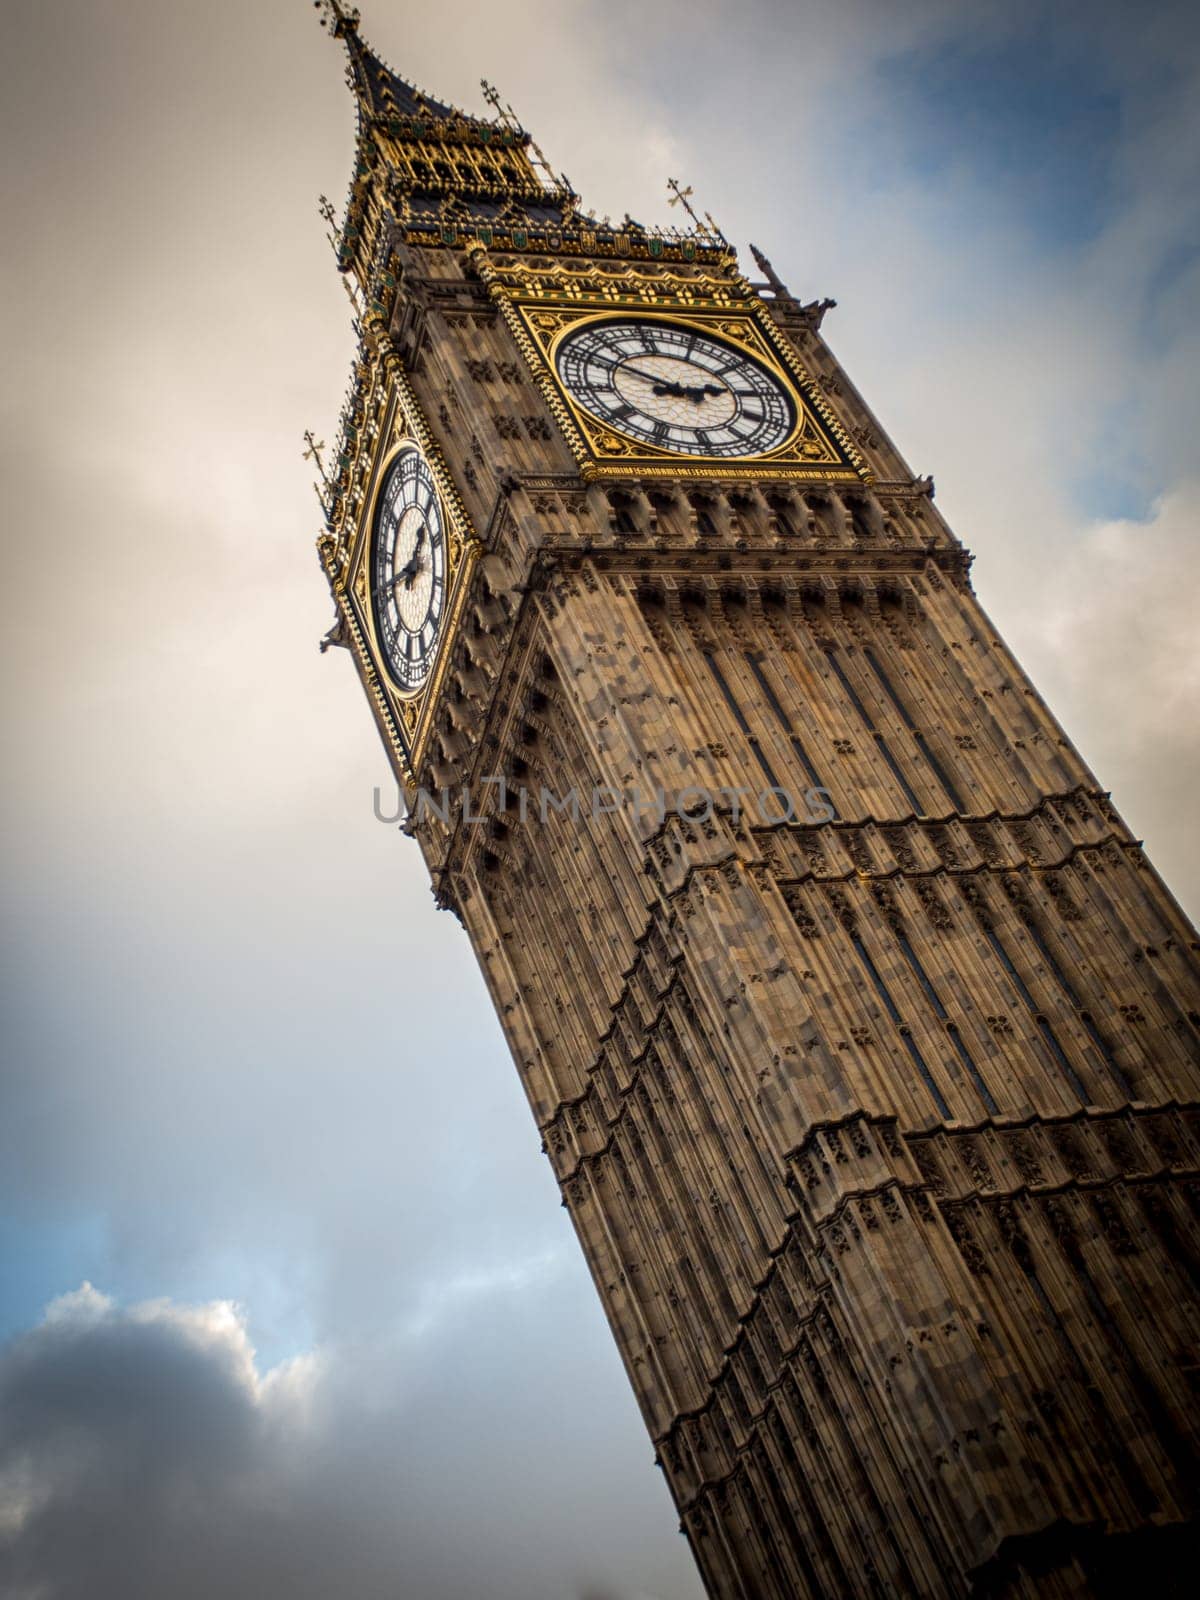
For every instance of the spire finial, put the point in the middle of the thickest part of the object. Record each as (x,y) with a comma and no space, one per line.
(682,197)
(313,453)
(329,216)
(506,114)
(769,273)
(339,19)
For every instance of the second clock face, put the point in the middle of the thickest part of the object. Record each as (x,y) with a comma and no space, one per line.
(408,569)
(676,388)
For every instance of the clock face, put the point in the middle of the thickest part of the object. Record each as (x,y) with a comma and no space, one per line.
(676,388)
(408,569)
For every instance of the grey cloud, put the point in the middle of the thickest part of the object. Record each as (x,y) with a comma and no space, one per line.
(142,1453)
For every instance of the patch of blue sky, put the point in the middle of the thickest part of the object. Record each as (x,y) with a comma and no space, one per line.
(1172,287)
(1035,128)
(1120,474)
(1111,494)
(41,1259)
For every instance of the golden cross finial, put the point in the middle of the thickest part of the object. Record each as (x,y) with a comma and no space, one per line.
(329,215)
(313,453)
(492,95)
(682,197)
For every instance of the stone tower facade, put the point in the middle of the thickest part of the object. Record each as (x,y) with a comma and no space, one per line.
(861,1034)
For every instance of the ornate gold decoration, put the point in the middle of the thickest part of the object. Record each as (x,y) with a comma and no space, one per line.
(611,444)
(404,719)
(390,717)
(541,300)
(573,279)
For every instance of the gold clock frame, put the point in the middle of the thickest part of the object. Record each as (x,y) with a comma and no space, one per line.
(404,716)
(362,579)
(809,451)
(542,303)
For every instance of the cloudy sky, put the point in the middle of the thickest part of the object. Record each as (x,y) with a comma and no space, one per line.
(289,1305)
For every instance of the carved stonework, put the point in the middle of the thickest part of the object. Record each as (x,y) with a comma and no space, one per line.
(861,1036)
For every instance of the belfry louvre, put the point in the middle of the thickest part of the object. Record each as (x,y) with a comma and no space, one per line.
(861,1034)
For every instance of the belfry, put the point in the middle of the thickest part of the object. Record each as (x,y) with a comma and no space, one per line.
(861,1035)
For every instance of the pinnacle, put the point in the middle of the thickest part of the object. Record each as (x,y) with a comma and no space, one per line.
(381,92)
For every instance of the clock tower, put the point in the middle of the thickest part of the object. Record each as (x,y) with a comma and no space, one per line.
(861,1035)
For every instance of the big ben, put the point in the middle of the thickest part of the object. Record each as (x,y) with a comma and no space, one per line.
(860,1032)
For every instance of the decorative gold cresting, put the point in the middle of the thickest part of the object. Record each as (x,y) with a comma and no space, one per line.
(542,302)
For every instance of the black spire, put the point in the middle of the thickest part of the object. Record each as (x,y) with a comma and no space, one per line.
(381,93)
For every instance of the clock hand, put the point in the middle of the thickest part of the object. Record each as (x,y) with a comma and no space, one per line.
(683,391)
(646,377)
(678,391)
(661,385)
(696,393)
(413,565)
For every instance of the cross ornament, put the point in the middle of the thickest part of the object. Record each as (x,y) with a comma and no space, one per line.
(313,453)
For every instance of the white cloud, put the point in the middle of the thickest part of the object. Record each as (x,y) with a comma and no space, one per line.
(79,1306)
(1131,591)
(1113,642)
